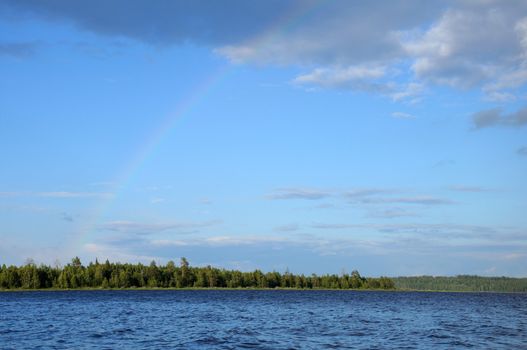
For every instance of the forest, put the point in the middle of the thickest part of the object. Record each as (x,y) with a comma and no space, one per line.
(462,283)
(106,275)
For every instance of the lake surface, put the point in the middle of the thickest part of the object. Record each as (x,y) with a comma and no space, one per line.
(252,319)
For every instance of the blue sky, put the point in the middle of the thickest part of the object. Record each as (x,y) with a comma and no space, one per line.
(319,136)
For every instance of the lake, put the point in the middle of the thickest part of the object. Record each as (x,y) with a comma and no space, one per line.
(261,319)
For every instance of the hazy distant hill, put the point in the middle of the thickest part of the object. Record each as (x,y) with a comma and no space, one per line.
(462,283)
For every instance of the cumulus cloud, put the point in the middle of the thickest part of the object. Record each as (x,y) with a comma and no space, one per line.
(371,79)
(492,58)
(355,47)
(495,117)
(160,22)
(451,52)
(391,48)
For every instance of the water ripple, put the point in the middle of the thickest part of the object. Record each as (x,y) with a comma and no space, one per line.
(226,319)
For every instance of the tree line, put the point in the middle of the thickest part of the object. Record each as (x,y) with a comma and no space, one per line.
(462,283)
(119,275)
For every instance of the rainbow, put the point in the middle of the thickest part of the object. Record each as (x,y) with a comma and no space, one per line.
(197,94)
(152,141)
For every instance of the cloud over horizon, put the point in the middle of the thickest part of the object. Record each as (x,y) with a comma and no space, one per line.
(298,193)
(140,228)
(465,188)
(422,200)
(392,48)
(58,194)
(482,243)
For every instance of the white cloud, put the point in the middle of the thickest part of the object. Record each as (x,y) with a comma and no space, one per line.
(357,45)
(410,92)
(11,194)
(498,96)
(243,240)
(142,228)
(465,188)
(117,254)
(299,193)
(452,53)
(402,115)
(205,201)
(465,45)
(64,194)
(364,192)
(422,200)
(366,78)
(156,200)
(287,228)
(468,46)
(420,239)
(219,241)
(480,45)
(447,231)
(169,243)
(412,241)
(58,194)
(391,213)
(515,256)
(341,76)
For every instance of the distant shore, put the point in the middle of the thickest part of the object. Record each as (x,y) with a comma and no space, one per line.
(145,289)
(125,276)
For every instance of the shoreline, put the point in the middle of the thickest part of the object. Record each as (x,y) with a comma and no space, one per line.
(252,289)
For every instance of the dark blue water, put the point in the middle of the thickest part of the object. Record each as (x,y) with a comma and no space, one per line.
(228,319)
